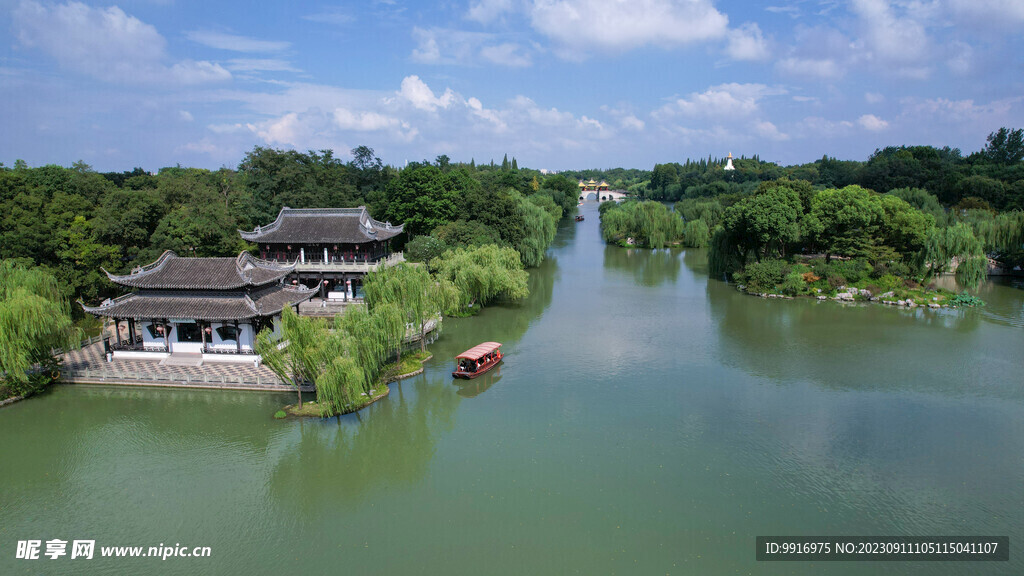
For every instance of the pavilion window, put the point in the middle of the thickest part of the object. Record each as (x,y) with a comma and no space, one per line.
(227,333)
(189,333)
(151,328)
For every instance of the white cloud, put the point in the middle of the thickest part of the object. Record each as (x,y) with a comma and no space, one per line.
(631,122)
(260,65)
(105,43)
(417,93)
(185,115)
(747,43)
(334,16)
(477,109)
(721,102)
(961,60)
(808,67)
(486,11)
(623,25)
(793,11)
(993,13)
(995,113)
(873,97)
(192,72)
(872,123)
(446,46)
(766,129)
(363,121)
(507,54)
(235,43)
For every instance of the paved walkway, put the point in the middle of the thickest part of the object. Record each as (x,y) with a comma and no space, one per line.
(88,365)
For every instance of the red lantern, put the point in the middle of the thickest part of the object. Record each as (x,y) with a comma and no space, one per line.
(159,329)
(295,282)
(209,330)
(289,246)
(325,282)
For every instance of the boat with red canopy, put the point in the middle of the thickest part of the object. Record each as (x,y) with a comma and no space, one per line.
(477,360)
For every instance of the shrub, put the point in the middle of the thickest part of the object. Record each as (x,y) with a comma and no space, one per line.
(280,414)
(835,281)
(764,276)
(965,299)
(853,270)
(888,283)
(794,284)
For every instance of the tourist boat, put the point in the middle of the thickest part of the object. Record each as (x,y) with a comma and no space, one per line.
(477,360)
(579,218)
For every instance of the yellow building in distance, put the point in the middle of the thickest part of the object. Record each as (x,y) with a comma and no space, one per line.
(593,186)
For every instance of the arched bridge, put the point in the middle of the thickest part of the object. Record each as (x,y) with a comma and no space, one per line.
(602,195)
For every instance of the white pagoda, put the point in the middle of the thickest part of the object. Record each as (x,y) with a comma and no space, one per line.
(728,163)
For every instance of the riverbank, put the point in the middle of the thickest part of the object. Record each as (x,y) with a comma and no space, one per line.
(924,298)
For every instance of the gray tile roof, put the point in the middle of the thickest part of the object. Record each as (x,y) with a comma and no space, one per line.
(323,226)
(203,305)
(173,272)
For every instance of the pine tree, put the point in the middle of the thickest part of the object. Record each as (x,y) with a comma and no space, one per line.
(515,165)
(504,163)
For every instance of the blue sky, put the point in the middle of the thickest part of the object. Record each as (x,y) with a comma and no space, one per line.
(556,83)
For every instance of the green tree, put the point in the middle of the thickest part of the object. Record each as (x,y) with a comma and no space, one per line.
(483,273)
(34,319)
(839,220)
(766,223)
(422,198)
(1005,146)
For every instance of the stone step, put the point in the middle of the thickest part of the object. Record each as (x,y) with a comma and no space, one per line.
(183,359)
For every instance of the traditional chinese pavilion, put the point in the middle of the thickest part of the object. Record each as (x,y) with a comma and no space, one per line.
(593,186)
(332,248)
(199,305)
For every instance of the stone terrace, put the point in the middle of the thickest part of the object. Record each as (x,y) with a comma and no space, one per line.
(88,366)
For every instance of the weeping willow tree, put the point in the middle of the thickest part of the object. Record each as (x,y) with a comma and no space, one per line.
(1003,235)
(417,295)
(343,364)
(540,226)
(696,234)
(942,245)
(298,354)
(483,273)
(389,295)
(725,255)
(34,319)
(650,224)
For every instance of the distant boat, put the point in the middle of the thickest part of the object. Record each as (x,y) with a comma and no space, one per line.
(477,360)
(579,218)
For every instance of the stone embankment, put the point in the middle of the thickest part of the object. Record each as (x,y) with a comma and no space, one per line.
(851,294)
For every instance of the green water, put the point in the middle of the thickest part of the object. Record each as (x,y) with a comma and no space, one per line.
(645,421)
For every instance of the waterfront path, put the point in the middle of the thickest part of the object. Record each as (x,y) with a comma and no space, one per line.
(88,366)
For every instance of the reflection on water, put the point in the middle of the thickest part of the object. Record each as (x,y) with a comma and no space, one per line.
(865,346)
(478,385)
(1002,296)
(340,461)
(648,267)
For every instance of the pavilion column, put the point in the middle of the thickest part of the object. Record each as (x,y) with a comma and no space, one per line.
(302,255)
(325,255)
(131,331)
(322,286)
(167,334)
(202,334)
(238,338)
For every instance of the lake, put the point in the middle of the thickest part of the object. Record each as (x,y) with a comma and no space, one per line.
(646,420)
